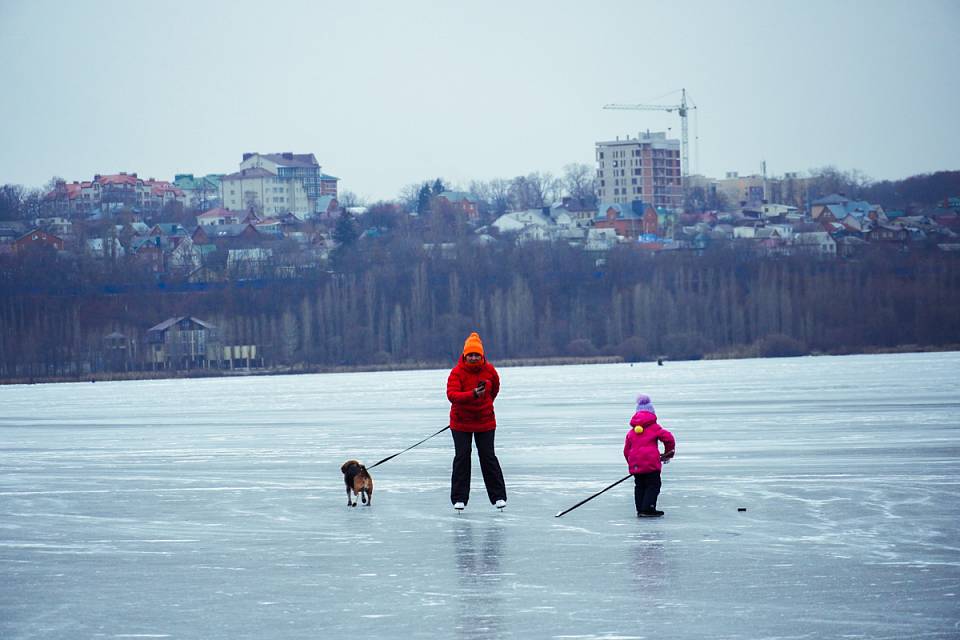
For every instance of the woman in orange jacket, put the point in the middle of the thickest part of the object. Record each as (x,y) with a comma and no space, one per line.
(472,387)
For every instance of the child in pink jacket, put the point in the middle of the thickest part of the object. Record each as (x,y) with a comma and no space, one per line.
(644,458)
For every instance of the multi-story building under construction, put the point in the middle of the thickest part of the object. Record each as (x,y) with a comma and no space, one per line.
(644,168)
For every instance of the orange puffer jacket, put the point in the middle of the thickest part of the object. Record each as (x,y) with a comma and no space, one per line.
(468,413)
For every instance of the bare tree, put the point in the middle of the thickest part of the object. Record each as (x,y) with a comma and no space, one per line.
(830,179)
(409,196)
(349,199)
(548,186)
(495,194)
(56,200)
(11,201)
(534,190)
(53,183)
(580,181)
(202,195)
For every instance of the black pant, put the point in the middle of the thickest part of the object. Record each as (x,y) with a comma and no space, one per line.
(489,465)
(646,490)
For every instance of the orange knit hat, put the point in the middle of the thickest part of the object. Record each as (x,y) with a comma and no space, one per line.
(473,344)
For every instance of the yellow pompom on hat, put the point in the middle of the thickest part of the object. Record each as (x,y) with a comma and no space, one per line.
(473,344)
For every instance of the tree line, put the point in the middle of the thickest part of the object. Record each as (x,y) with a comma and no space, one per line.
(397,302)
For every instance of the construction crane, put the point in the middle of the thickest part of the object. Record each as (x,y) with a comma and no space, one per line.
(682,109)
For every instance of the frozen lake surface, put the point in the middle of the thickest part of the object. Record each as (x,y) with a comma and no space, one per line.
(215,508)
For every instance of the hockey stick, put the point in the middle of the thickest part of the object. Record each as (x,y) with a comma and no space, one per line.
(408,448)
(627,477)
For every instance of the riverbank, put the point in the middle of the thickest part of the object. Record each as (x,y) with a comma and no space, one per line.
(752,352)
(104,376)
(735,354)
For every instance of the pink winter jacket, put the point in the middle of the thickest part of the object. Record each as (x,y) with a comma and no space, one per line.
(640,449)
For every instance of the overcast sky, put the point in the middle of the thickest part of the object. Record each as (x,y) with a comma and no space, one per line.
(391,93)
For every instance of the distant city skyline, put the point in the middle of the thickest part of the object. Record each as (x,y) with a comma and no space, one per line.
(390,94)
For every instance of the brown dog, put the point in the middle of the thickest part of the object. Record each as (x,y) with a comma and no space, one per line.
(358,481)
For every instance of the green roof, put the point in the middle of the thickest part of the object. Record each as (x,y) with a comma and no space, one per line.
(189,181)
(457,196)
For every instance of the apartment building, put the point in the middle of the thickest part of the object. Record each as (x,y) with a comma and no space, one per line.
(281,182)
(743,190)
(645,168)
(264,192)
(112,192)
(754,190)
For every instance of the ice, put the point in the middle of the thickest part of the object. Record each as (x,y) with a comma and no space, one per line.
(215,508)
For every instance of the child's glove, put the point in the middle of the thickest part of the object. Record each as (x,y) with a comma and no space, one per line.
(667,455)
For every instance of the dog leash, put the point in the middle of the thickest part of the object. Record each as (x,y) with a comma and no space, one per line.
(408,448)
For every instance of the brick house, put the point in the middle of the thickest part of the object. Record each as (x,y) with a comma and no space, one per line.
(463,202)
(629,220)
(36,239)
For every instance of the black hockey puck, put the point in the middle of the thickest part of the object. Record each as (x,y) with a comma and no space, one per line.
(741,508)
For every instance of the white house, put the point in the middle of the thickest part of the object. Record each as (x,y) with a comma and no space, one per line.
(776,210)
(57,225)
(819,242)
(248,262)
(580,217)
(518,220)
(186,256)
(785,231)
(220,216)
(101,248)
(601,239)
(531,225)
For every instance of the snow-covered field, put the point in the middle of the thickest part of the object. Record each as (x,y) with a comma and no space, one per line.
(215,509)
